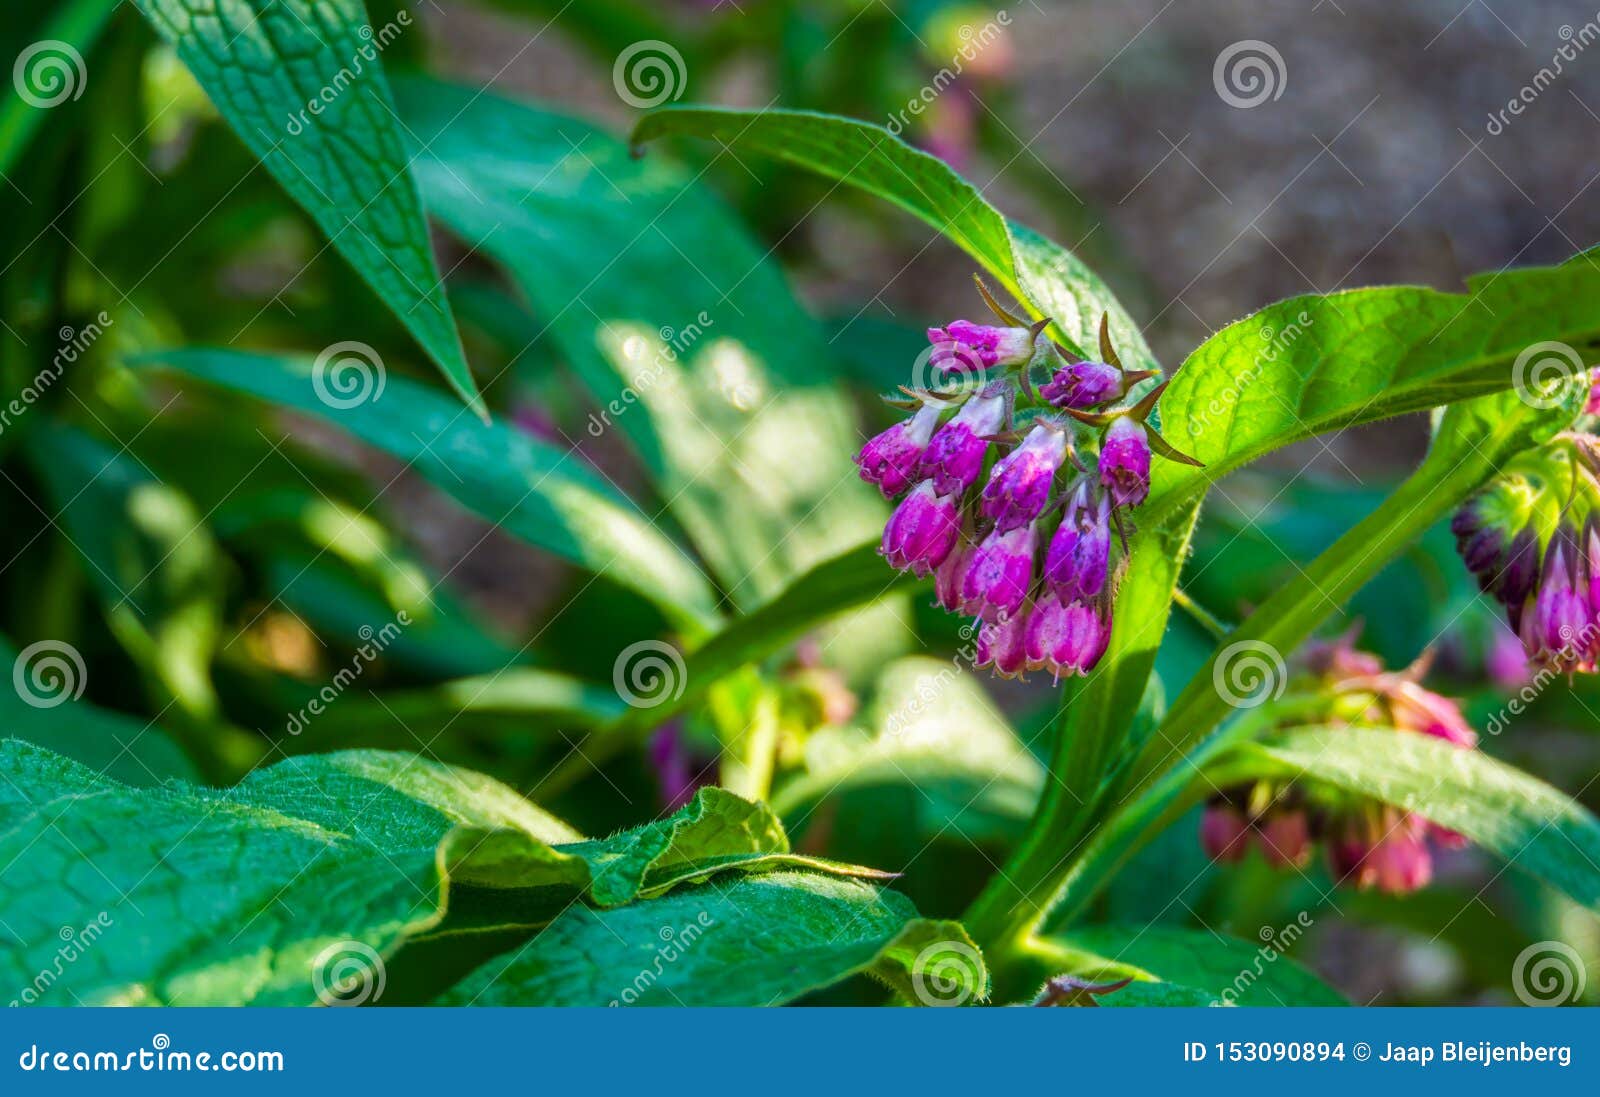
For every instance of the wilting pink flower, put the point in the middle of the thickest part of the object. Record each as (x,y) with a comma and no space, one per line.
(1415,708)
(1125,462)
(1084,385)
(1285,838)
(1019,487)
(954,458)
(921,531)
(891,459)
(997,582)
(965,347)
(1001,645)
(1224,832)
(1066,639)
(1079,558)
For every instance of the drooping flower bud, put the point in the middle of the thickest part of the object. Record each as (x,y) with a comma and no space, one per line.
(1079,559)
(965,347)
(952,574)
(1125,462)
(1066,639)
(1519,575)
(1224,832)
(891,459)
(1557,630)
(1085,385)
(1020,485)
(922,530)
(954,458)
(1285,838)
(1400,863)
(997,582)
(1001,645)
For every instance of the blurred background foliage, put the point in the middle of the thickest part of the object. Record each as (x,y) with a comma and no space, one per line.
(217,560)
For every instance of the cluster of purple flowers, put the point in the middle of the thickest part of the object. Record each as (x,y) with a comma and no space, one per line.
(1003,511)
(1367,843)
(1532,538)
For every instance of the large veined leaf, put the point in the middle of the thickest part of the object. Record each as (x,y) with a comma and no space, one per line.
(1032,268)
(1227,969)
(540,493)
(247,895)
(1313,364)
(1537,828)
(301,83)
(758,941)
(40,707)
(673,318)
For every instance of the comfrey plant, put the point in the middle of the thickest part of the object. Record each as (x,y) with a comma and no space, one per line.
(1013,491)
(735,618)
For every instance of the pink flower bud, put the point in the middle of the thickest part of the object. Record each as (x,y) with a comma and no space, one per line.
(954,458)
(1125,462)
(1019,487)
(1400,863)
(1084,385)
(921,531)
(952,574)
(891,459)
(1558,632)
(1079,558)
(1417,709)
(997,582)
(1224,832)
(1002,646)
(965,347)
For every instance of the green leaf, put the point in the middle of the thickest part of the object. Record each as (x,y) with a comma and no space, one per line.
(1319,363)
(303,87)
(1226,969)
(931,727)
(677,323)
(533,490)
(1524,821)
(241,895)
(154,561)
(755,941)
(135,752)
(1031,268)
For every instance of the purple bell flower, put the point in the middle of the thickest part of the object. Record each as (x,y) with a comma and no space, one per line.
(891,459)
(997,582)
(922,530)
(1079,558)
(1066,639)
(954,458)
(1019,487)
(1125,462)
(952,574)
(965,347)
(1557,631)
